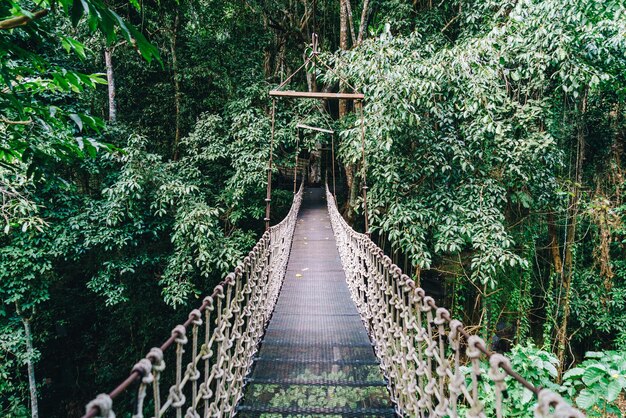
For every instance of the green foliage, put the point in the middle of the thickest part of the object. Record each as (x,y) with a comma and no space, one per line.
(537,366)
(598,382)
(36,88)
(600,312)
(17,209)
(471,117)
(471,122)
(25,268)
(40,125)
(151,201)
(13,390)
(432,160)
(25,277)
(595,384)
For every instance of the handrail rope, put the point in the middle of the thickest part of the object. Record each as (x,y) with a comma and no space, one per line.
(242,305)
(423,371)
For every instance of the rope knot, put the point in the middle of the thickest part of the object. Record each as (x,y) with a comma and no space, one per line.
(177,397)
(144,368)
(548,399)
(179,332)
(191,413)
(474,343)
(409,283)
(496,362)
(209,303)
(196,317)
(430,387)
(563,409)
(156,356)
(230,278)
(205,392)
(104,404)
(455,330)
(426,305)
(192,372)
(441,316)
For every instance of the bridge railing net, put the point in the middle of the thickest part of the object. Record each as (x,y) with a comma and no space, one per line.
(432,365)
(214,348)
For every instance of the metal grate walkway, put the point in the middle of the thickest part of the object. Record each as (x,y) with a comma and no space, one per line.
(316,358)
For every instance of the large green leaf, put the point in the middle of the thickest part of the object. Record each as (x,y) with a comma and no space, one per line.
(586,399)
(613,390)
(576,372)
(593,374)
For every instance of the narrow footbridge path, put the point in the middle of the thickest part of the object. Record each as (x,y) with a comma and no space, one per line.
(316,356)
(317,321)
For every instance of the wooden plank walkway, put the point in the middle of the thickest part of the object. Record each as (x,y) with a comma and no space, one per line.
(316,358)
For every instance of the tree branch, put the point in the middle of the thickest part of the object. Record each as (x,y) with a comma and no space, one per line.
(350,22)
(364,16)
(16,122)
(452,20)
(15,22)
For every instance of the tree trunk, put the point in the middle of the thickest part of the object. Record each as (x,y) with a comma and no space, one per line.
(350,21)
(267,52)
(570,237)
(554,243)
(311,80)
(364,18)
(343,110)
(352,192)
(343,45)
(30,352)
(176,86)
(108,60)
(32,382)
(617,176)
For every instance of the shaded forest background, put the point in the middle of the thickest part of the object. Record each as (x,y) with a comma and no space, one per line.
(133,145)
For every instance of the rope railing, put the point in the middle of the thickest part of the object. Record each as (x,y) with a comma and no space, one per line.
(214,348)
(431,363)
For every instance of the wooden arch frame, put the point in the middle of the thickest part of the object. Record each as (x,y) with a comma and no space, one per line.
(278,93)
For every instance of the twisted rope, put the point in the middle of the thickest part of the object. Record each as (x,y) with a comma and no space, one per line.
(419,345)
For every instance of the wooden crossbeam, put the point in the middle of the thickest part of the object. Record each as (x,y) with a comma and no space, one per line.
(314,128)
(316,95)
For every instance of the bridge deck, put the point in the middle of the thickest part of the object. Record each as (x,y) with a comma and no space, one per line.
(316,358)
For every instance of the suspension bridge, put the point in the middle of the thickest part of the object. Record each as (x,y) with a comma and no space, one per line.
(317,321)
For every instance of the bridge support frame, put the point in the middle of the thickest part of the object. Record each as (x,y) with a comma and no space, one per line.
(356,96)
(268,195)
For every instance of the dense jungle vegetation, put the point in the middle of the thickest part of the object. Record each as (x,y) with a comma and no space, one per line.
(134,139)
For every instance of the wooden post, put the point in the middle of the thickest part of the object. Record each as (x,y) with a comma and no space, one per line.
(268,196)
(295,168)
(332,139)
(364,168)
